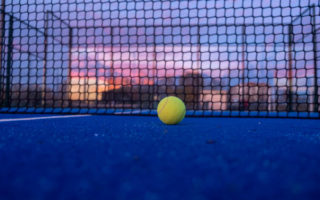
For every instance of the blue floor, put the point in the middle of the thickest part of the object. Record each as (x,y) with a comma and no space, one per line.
(131,157)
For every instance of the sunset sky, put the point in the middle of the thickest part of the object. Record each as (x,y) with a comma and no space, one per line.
(176,30)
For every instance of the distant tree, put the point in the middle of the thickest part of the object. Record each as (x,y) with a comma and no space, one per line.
(25,95)
(190,87)
(251,96)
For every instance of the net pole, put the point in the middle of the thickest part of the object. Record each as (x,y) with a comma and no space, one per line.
(9,63)
(44,78)
(289,93)
(315,60)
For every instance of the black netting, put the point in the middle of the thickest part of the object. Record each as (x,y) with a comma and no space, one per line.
(222,58)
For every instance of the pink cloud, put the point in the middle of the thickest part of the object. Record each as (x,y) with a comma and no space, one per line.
(296,73)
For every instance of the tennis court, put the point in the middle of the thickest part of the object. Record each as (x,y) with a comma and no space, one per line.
(124,157)
(81,81)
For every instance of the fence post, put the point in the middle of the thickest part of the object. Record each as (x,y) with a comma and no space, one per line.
(199,80)
(154,94)
(289,91)
(2,33)
(315,59)
(242,102)
(44,75)
(9,63)
(69,81)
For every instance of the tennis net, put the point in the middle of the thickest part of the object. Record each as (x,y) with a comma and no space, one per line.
(222,58)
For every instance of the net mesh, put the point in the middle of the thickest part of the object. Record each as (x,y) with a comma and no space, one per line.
(222,58)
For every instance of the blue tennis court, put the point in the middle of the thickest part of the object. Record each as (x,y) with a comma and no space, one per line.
(137,157)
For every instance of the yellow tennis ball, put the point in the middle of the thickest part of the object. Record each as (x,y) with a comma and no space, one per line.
(171,110)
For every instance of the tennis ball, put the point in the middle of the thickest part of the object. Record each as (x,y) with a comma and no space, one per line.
(171,110)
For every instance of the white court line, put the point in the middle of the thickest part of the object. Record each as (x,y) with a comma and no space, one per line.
(40,118)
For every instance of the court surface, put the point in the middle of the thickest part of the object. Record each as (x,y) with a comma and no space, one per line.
(136,157)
